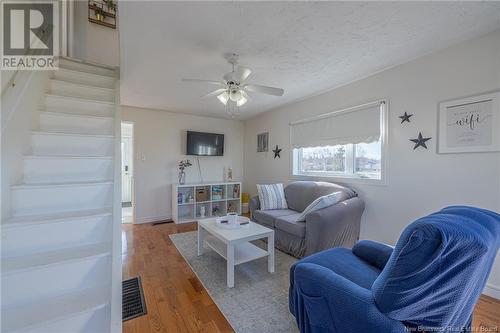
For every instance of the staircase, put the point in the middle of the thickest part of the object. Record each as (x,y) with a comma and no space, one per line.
(57,246)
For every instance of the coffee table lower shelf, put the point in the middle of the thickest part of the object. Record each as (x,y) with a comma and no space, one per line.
(243,252)
(234,244)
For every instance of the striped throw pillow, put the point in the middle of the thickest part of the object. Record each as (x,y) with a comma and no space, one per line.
(272,196)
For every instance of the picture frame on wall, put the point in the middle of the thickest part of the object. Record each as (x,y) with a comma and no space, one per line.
(263,142)
(469,125)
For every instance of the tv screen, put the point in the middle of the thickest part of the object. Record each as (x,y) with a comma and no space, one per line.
(205,144)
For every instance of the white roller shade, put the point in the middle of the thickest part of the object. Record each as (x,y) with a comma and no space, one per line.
(355,125)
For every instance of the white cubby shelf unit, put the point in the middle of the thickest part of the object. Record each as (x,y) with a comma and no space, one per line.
(218,198)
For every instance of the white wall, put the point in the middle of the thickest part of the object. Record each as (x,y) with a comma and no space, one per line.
(6,76)
(159,144)
(93,42)
(418,182)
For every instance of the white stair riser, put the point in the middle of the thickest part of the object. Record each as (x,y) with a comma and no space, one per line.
(56,103)
(93,93)
(87,68)
(67,124)
(25,240)
(51,199)
(60,145)
(84,78)
(94,321)
(51,170)
(62,258)
(56,279)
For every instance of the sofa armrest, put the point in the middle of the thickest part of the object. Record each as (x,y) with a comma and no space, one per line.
(334,226)
(323,300)
(375,253)
(253,205)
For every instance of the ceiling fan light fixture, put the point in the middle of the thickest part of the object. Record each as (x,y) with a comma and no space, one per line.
(223,98)
(235,95)
(241,101)
(233,89)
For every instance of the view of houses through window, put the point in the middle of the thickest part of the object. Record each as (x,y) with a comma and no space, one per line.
(362,160)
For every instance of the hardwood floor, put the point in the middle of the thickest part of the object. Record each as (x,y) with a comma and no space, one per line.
(176,300)
(487,315)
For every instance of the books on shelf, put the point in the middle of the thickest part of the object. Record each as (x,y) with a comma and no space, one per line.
(217,192)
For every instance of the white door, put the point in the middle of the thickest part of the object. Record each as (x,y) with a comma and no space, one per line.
(126,170)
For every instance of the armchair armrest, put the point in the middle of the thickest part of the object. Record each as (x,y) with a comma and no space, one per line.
(334,226)
(375,253)
(253,205)
(323,301)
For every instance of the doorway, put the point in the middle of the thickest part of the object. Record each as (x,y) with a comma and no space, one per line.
(127,147)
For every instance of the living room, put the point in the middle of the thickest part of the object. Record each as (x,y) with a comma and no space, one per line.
(292,166)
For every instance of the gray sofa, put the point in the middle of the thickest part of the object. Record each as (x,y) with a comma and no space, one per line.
(332,226)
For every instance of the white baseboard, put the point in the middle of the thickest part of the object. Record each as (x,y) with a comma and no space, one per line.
(149,219)
(492,291)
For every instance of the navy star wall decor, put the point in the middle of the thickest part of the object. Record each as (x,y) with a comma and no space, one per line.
(277,152)
(420,141)
(405,117)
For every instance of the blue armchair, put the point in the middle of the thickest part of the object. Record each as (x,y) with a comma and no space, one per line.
(429,282)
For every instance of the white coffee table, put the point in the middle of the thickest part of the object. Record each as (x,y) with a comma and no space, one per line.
(234,244)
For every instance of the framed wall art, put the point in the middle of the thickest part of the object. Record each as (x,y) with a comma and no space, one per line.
(263,142)
(470,124)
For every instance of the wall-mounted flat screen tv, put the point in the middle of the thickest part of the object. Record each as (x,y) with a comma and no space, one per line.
(204,144)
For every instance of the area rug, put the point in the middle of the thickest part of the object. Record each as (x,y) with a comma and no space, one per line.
(259,300)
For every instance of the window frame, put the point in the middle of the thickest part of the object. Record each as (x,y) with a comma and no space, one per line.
(344,177)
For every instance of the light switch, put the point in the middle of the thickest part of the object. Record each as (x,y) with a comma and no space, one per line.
(143,157)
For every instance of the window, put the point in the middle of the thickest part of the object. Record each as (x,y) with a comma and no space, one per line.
(359,153)
(362,160)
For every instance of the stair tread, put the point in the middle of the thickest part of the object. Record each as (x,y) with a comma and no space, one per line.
(67,60)
(63,115)
(16,264)
(80,99)
(63,184)
(59,216)
(73,71)
(73,134)
(75,115)
(104,157)
(45,311)
(80,84)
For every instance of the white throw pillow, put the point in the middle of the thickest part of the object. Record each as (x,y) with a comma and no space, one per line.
(272,196)
(320,203)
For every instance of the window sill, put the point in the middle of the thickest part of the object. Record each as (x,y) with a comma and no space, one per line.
(342,180)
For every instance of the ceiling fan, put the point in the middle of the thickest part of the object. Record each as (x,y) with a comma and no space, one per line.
(233,88)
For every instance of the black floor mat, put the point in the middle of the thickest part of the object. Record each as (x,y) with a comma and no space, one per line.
(133,304)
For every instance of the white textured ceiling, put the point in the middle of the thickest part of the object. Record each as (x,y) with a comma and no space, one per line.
(303,47)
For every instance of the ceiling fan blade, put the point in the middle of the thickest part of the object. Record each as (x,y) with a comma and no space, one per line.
(264,90)
(239,75)
(215,93)
(219,83)
(242,73)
